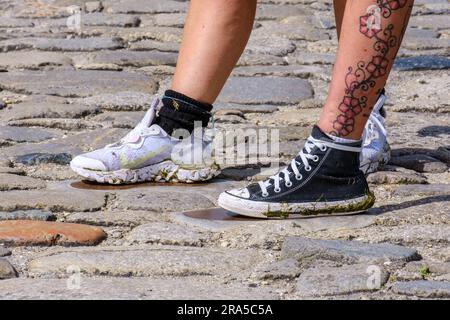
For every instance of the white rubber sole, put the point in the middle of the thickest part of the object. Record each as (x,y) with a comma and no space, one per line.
(265,210)
(166,171)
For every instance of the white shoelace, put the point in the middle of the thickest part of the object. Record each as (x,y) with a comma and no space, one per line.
(304,157)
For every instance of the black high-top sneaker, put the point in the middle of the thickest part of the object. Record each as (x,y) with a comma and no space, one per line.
(324,179)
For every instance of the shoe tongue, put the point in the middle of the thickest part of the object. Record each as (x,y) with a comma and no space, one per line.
(149,115)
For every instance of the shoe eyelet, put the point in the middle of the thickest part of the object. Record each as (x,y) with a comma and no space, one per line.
(323,149)
(277,190)
(288,185)
(308,168)
(265,195)
(316,158)
(299,177)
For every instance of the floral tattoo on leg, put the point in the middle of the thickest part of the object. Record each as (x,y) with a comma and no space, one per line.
(361,78)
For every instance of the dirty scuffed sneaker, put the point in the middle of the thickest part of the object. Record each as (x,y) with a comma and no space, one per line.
(324,179)
(148,153)
(376,151)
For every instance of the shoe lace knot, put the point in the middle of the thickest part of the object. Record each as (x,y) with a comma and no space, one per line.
(303,158)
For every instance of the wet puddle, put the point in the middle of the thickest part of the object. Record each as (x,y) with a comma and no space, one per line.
(217,214)
(89,185)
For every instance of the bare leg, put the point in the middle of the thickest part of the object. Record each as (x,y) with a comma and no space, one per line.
(215,35)
(370,36)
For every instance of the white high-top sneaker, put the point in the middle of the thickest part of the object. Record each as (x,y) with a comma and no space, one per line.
(148,153)
(376,151)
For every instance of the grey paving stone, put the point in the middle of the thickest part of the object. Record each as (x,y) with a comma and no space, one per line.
(40,158)
(276,46)
(24,134)
(48,109)
(430,22)
(136,6)
(14,44)
(426,43)
(289,28)
(420,33)
(213,224)
(419,163)
(74,144)
(4,252)
(70,83)
(93,20)
(443,154)
(8,22)
(110,20)
(422,63)
(145,32)
(32,60)
(309,250)
(52,200)
(279,270)
(115,218)
(17,182)
(429,94)
(192,288)
(28,215)
(41,9)
(279,71)
(58,123)
(156,200)
(10,170)
(423,289)
(273,11)
(422,190)
(439,268)
(158,71)
(7,271)
(93,6)
(402,216)
(76,44)
(246,108)
(252,59)
(392,177)
(165,233)
(176,20)
(148,44)
(104,59)
(148,261)
(336,222)
(120,101)
(328,281)
(122,119)
(263,90)
(308,58)
(424,234)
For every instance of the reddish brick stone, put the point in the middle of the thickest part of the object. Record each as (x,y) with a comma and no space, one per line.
(26,232)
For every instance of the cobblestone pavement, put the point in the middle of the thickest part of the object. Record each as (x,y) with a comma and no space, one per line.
(65,90)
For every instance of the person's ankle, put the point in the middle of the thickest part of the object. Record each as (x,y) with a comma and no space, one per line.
(327,127)
(182,112)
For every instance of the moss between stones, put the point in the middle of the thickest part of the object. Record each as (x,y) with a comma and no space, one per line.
(424,272)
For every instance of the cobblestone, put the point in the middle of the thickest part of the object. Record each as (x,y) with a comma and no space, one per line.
(65,91)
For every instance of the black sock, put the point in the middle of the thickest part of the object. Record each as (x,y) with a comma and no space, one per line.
(180,112)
